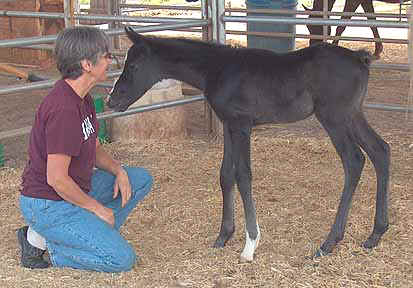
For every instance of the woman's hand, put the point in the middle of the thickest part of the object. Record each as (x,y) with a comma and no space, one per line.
(122,184)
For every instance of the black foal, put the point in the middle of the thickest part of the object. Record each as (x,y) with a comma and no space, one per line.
(248,87)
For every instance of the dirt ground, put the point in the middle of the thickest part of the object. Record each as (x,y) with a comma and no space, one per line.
(297,181)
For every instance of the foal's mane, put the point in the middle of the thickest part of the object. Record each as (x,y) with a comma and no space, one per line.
(188,48)
(185,43)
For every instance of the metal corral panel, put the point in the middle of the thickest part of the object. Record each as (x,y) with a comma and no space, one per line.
(19,27)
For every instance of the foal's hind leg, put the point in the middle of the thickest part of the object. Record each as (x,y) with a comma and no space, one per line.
(241,134)
(353,162)
(379,153)
(227,180)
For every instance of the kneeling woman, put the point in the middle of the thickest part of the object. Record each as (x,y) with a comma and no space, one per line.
(73,210)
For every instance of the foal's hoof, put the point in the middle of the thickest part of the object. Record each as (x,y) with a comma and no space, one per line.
(372,241)
(222,239)
(219,243)
(246,259)
(319,253)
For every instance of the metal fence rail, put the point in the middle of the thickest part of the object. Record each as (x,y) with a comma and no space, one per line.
(317,13)
(166,24)
(168,104)
(215,17)
(151,28)
(111,114)
(313,21)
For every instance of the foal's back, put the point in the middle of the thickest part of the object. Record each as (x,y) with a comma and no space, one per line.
(278,88)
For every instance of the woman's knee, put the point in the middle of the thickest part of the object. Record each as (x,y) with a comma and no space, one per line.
(123,260)
(140,179)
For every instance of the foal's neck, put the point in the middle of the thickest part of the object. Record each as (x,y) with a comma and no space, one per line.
(186,60)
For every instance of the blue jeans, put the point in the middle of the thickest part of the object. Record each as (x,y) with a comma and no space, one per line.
(78,238)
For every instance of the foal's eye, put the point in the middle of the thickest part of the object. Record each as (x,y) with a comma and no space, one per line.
(108,56)
(133,66)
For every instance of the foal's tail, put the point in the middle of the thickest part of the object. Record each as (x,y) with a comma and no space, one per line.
(364,56)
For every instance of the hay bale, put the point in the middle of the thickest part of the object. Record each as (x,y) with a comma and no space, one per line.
(163,123)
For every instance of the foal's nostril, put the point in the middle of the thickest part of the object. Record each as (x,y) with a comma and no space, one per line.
(109,102)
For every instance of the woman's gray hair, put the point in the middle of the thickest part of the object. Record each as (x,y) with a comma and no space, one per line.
(76,44)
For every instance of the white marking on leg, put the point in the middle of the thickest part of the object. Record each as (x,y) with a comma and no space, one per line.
(247,254)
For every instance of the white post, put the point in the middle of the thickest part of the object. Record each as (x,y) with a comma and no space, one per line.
(218,10)
(206,14)
(76,10)
(218,35)
(325,28)
(66,10)
(410,56)
(69,9)
(214,16)
(220,23)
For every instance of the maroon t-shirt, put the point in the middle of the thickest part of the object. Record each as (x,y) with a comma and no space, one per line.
(64,124)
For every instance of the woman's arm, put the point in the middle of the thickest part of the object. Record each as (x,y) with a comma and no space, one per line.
(106,162)
(58,177)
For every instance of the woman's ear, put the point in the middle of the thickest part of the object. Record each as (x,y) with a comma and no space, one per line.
(86,65)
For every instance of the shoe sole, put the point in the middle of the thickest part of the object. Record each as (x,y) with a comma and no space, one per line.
(33,262)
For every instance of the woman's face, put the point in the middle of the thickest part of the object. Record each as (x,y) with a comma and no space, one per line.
(101,66)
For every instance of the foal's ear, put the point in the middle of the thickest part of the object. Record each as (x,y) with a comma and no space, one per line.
(306,8)
(133,36)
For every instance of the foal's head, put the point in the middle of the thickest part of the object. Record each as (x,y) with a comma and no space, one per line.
(139,74)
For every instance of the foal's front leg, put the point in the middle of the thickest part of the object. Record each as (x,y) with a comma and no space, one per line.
(242,160)
(227,179)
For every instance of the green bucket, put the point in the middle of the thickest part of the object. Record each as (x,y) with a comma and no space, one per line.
(99,106)
(1,155)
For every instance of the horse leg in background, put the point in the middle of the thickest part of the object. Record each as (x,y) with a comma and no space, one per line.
(227,180)
(379,153)
(341,135)
(350,6)
(241,133)
(318,29)
(368,8)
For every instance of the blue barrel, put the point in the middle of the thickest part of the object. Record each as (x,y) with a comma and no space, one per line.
(276,44)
